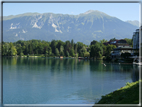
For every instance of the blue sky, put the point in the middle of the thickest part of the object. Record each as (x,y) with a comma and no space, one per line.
(123,11)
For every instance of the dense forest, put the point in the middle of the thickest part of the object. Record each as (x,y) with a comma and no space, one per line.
(58,48)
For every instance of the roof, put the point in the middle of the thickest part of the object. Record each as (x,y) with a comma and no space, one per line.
(117,42)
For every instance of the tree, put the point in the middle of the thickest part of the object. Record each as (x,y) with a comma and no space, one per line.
(40,48)
(46,54)
(93,42)
(67,54)
(82,51)
(19,49)
(72,52)
(49,51)
(61,50)
(81,48)
(75,50)
(5,49)
(109,48)
(31,50)
(129,41)
(12,50)
(67,46)
(21,54)
(113,39)
(59,44)
(86,54)
(72,43)
(96,50)
(57,52)
(53,46)
(103,41)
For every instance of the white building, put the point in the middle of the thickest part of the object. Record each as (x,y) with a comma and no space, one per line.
(116,53)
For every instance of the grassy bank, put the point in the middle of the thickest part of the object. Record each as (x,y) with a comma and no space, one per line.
(128,94)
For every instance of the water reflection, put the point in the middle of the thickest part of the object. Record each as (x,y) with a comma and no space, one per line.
(60,65)
(135,73)
(96,66)
(66,81)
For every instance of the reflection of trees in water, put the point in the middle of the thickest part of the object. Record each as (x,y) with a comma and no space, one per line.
(71,65)
(10,61)
(96,65)
(53,65)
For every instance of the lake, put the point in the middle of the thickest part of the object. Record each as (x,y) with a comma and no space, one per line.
(62,81)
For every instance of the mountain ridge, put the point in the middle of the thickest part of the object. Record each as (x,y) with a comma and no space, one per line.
(133,22)
(94,25)
(36,13)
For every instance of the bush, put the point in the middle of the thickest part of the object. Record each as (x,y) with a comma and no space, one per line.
(21,54)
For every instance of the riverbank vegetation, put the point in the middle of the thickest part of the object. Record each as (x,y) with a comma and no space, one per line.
(128,94)
(57,48)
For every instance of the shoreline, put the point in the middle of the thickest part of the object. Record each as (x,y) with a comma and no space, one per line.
(129,94)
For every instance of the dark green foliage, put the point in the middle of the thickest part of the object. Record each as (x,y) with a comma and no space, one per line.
(44,48)
(93,42)
(9,49)
(128,94)
(57,52)
(109,48)
(56,48)
(67,53)
(103,41)
(113,39)
(96,50)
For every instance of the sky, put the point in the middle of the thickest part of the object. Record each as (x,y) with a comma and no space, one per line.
(123,11)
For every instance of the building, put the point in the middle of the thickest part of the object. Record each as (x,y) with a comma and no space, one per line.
(124,48)
(118,43)
(117,52)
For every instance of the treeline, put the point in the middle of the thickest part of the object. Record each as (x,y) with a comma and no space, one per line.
(58,48)
(38,47)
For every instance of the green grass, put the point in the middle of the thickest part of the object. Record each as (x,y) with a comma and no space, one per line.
(128,94)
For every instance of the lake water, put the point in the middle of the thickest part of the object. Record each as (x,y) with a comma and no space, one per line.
(62,81)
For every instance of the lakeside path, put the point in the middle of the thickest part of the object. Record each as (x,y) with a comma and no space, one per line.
(128,94)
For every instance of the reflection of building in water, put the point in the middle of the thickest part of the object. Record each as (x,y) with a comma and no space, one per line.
(134,69)
(121,67)
(135,73)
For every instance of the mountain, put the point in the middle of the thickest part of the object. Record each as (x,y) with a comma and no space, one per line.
(85,27)
(135,22)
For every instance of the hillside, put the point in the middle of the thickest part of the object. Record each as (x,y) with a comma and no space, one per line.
(135,22)
(128,94)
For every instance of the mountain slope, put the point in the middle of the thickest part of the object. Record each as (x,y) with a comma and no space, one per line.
(135,22)
(85,27)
